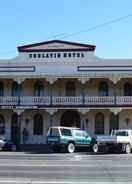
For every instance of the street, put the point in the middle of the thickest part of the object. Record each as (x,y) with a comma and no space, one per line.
(27,168)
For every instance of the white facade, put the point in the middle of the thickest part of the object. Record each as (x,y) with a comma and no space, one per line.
(63,83)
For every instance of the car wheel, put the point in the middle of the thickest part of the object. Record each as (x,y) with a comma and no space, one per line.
(95,148)
(128,149)
(71,148)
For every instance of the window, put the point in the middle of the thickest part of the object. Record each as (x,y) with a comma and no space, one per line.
(82,54)
(34,55)
(69,54)
(16,89)
(70,89)
(1,89)
(127,89)
(78,133)
(103,89)
(47,55)
(39,55)
(38,125)
(65,54)
(51,55)
(84,134)
(121,133)
(74,54)
(43,56)
(30,55)
(65,132)
(39,89)
(78,54)
(59,55)
(54,131)
(99,123)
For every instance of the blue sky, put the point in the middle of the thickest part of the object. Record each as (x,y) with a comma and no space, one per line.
(29,21)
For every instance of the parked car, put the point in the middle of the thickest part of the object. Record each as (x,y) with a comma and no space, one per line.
(69,138)
(7,145)
(119,140)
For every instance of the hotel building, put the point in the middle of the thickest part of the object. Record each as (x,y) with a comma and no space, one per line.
(63,83)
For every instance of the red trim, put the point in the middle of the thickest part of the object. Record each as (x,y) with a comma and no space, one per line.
(55,50)
(87,47)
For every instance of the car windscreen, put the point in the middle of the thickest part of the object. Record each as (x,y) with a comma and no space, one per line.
(65,132)
(54,132)
(78,133)
(121,133)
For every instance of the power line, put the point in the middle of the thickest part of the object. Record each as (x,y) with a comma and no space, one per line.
(66,35)
(97,26)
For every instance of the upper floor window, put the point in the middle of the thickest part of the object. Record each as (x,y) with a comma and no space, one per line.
(1,89)
(103,89)
(39,89)
(70,89)
(16,89)
(127,89)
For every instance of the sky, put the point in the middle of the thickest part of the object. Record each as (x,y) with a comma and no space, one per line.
(31,21)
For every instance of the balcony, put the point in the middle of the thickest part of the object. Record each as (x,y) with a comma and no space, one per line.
(56,101)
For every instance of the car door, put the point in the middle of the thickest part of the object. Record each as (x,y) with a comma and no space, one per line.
(86,138)
(78,138)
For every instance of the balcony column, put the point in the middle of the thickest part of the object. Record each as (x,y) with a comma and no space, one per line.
(51,113)
(83,81)
(114,87)
(19,82)
(19,113)
(84,119)
(115,81)
(51,81)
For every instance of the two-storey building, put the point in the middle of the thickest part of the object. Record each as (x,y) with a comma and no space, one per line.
(63,83)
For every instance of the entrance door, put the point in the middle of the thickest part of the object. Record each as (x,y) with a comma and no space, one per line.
(15,129)
(114,122)
(70,119)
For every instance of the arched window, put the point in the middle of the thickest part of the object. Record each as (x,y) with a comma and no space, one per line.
(2,125)
(114,122)
(1,89)
(127,89)
(99,123)
(70,89)
(38,125)
(16,89)
(103,89)
(39,89)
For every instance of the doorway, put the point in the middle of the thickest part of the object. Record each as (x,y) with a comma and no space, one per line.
(15,129)
(70,118)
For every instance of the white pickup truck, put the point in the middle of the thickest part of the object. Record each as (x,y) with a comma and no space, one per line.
(119,140)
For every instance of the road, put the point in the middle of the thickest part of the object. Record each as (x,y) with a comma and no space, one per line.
(77,168)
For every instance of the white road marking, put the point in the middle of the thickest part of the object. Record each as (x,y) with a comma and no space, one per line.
(29,181)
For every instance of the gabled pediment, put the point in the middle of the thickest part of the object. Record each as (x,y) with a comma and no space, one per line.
(56,45)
